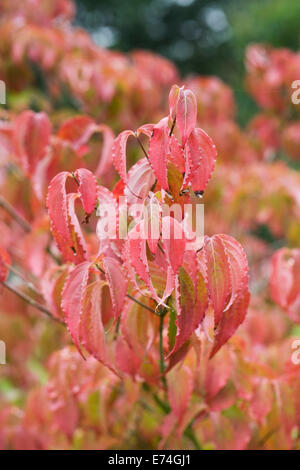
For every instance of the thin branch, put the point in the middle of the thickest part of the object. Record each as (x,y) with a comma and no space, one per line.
(22,222)
(29,284)
(165,407)
(133,298)
(173,125)
(31,302)
(14,214)
(117,328)
(161,350)
(76,180)
(53,255)
(142,147)
(189,432)
(267,436)
(142,305)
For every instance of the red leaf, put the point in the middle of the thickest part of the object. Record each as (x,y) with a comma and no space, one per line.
(261,402)
(186,114)
(146,129)
(173,100)
(52,284)
(139,330)
(87,189)
(117,284)
(238,266)
(230,321)
(201,157)
(153,222)
(158,152)
(31,138)
(191,304)
(126,359)
(185,303)
(137,253)
(58,211)
(284,281)
(78,247)
(173,241)
(137,257)
(91,327)
(65,227)
(180,387)
(218,372)
(77,130)
(218,274)
(105,161)
(4,261)
(176,154)
(119,153)
(140,181)
(73,299)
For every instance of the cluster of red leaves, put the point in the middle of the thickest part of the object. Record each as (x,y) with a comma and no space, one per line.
(170,273)
(154,317)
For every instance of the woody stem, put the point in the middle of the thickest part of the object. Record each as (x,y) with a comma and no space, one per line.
(133,298)
(161,348)
(142,147)
(14,214)
(31,301)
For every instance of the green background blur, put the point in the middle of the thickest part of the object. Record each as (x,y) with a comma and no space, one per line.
(206,37)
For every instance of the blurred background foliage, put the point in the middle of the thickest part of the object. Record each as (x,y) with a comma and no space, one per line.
(206,37)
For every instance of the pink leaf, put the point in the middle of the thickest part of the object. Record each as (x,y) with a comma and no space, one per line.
(126,359)
(5,262)
(158,152)
(284,281)
(87,189)
(261,402)
(201,158)
(173,100)
(79,247)
(180,387)
(77,130)
(117,284)
(105,161)
(136,250)
(73,299)
(218,274)
(57,209)
(191,304)
(186,114)
(218,372)
(140,181)
(65,227)
(238,266)
(31,137)
(146,129)
(176,154)
(137,253)
(173,241)
(230,321)
(92,333)
(119,153)
(153,222)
